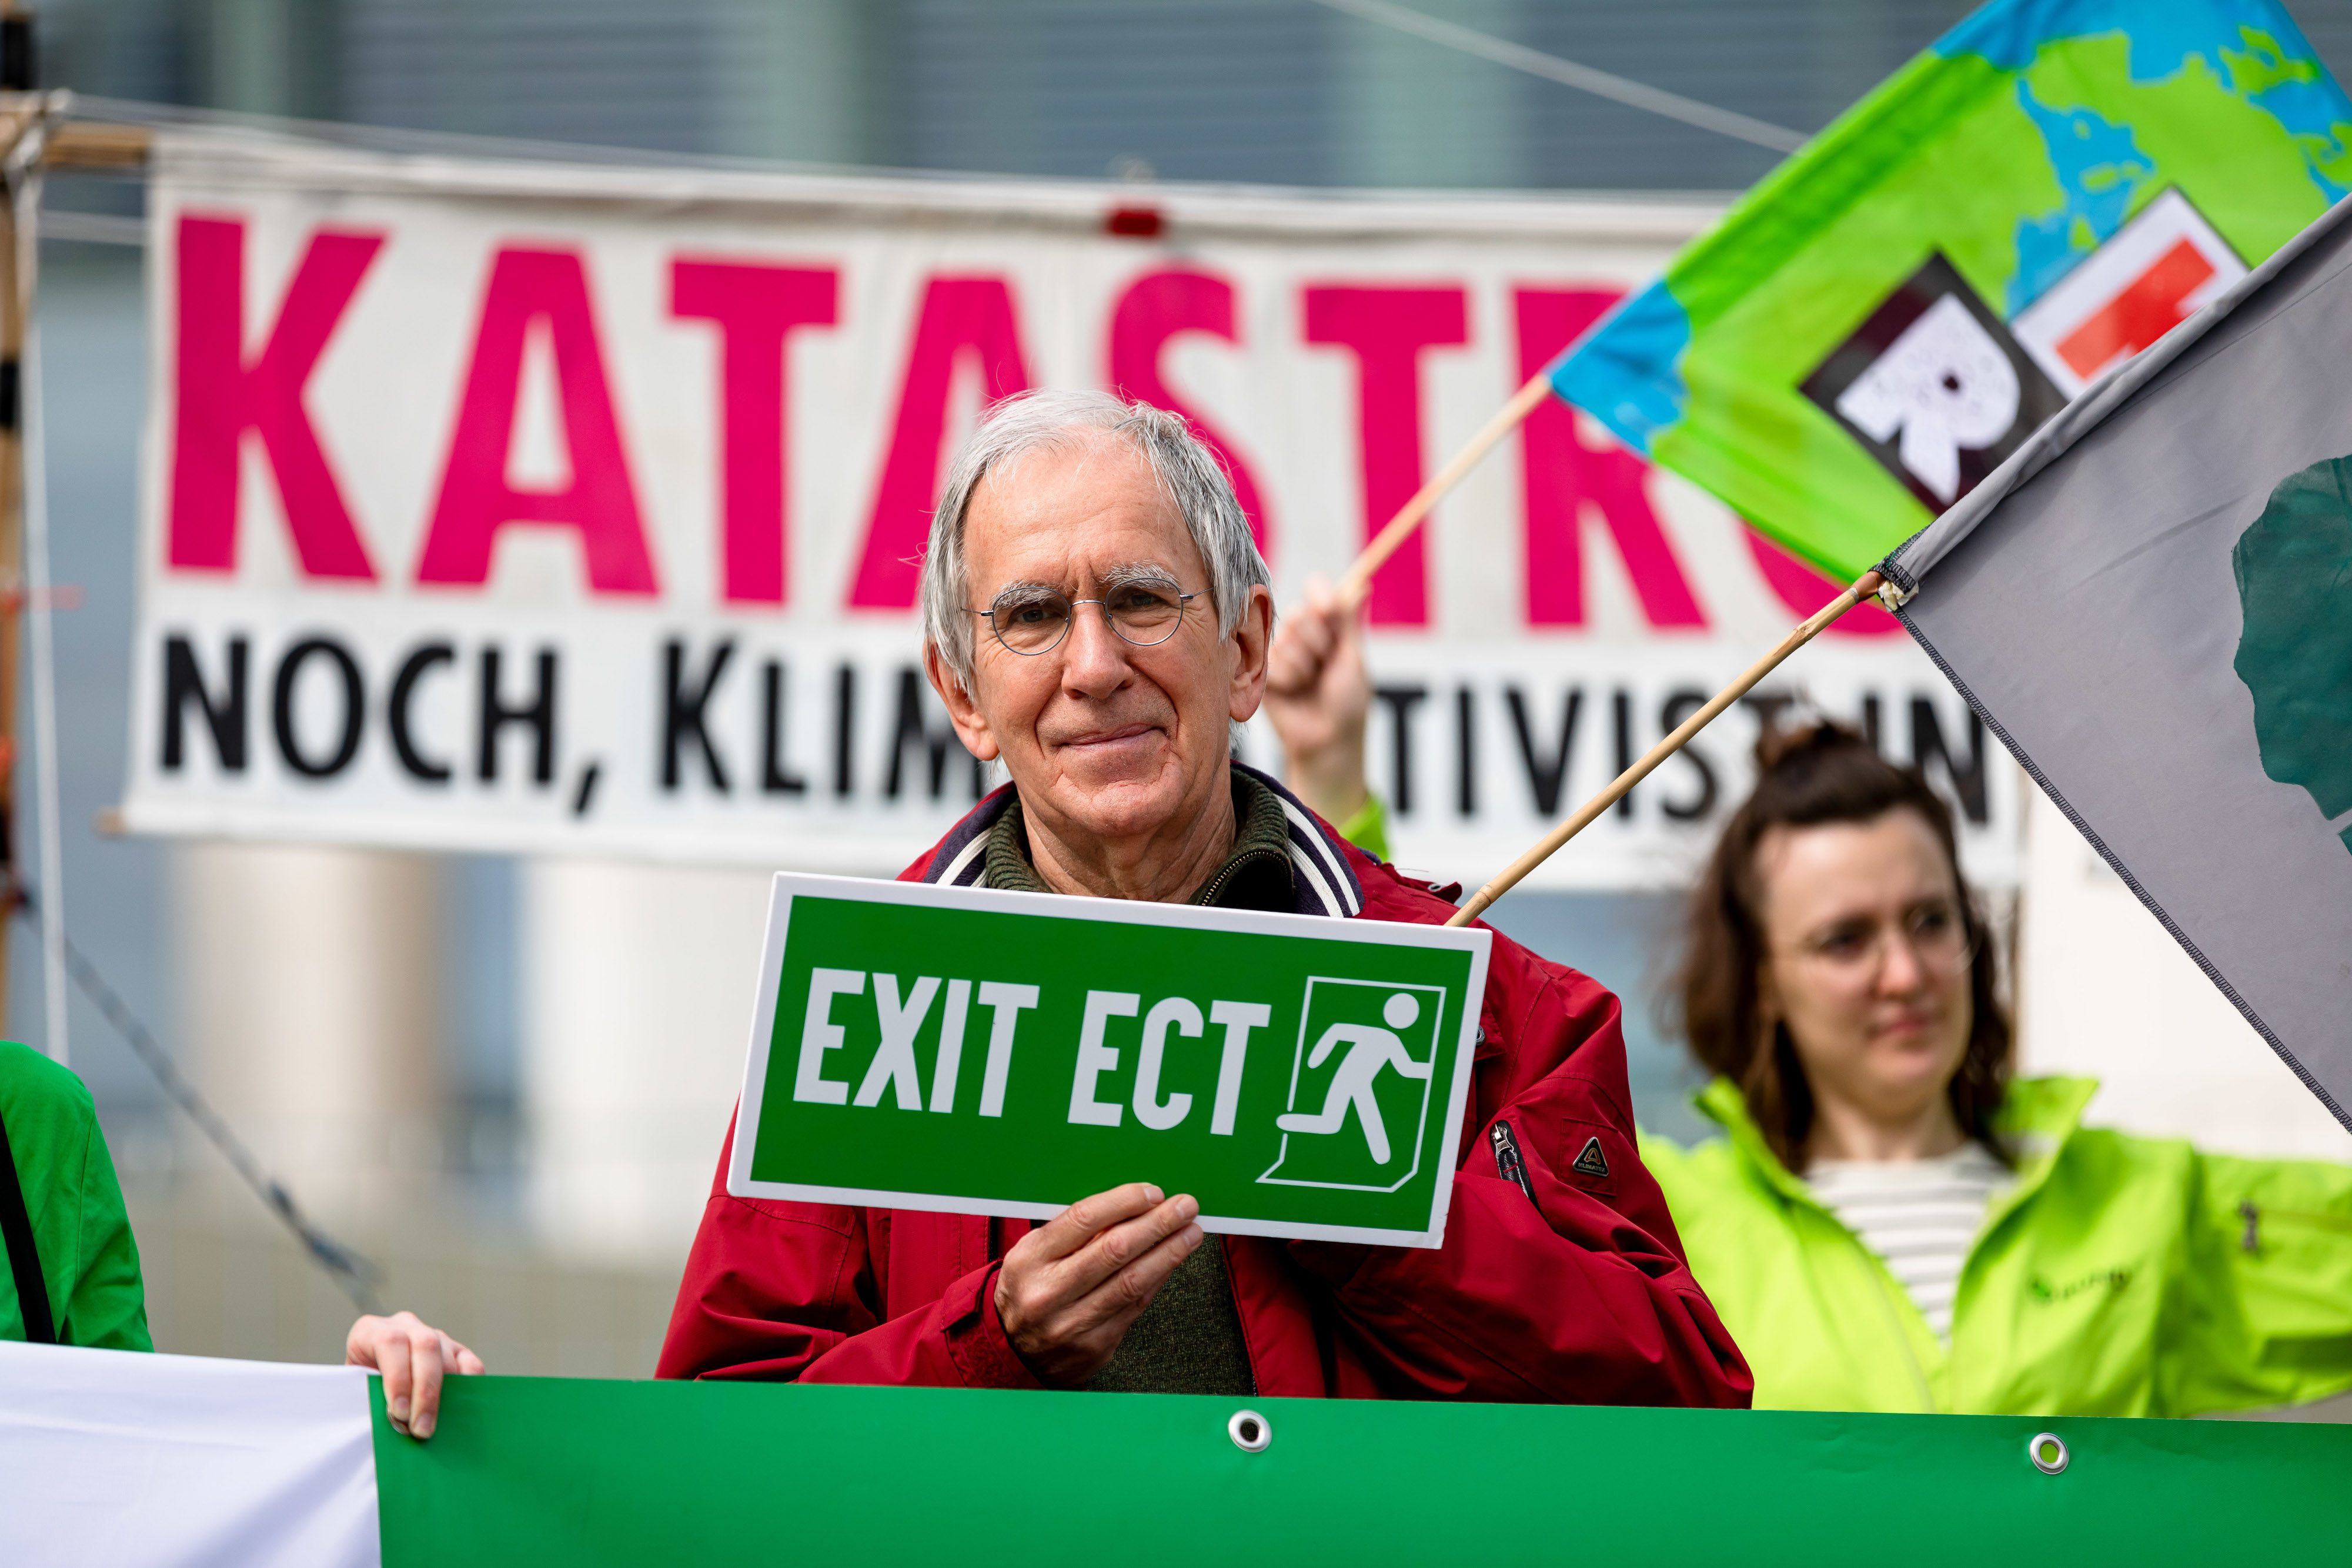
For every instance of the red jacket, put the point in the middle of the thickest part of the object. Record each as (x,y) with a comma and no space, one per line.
(1572,1289)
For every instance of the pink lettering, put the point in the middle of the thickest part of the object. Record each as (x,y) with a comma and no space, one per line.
(1804,590)
(1386,330)
(599,502)
(1564,476)
(1155,307)
(755,307)
(220,394)
(963,319)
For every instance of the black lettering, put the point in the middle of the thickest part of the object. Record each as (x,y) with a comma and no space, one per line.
(403,690)
(845,730)
(1544,775)
(1967,778)
(775,777)
(281,707)
(935,741)
(539,715)
(1768,707)
(1401,701)
(1870,721)
(1679,707)
(685,710)
(184,683)
(1621,711)
(1466,751)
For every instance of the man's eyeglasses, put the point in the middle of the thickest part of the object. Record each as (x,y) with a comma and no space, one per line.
(1030,620)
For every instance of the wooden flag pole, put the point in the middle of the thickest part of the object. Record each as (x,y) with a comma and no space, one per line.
(1588,813)
(85,146)
(1359,580)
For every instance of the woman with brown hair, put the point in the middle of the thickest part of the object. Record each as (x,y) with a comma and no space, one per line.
(1892,1221)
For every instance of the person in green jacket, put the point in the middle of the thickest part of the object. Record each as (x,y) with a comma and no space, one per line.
(73,1269)
(1890,1222)
(71,1266)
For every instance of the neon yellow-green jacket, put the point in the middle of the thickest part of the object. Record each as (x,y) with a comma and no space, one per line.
(2116,1276)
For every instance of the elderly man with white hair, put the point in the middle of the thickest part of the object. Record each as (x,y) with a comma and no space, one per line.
(1098,618)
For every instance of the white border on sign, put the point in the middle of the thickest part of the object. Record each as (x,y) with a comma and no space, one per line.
(788,885)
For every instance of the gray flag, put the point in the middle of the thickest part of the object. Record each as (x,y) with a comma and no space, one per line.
(2151,604)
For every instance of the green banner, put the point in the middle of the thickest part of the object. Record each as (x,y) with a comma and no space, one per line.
(588,1474)
(983,1052)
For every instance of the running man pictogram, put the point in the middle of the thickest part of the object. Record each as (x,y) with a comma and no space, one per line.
(1369,1051)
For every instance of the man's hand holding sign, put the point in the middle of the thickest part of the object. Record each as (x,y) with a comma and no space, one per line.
(1068,1293)
(1255,1045)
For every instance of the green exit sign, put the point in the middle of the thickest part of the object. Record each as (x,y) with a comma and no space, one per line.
(981,1052)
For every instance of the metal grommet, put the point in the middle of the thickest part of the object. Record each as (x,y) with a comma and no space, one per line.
(1250,1431)
(2047,1450)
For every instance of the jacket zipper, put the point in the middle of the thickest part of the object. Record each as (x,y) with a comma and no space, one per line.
(2253,1213)
(1507,1163)
(1214,891)
(1894,1303)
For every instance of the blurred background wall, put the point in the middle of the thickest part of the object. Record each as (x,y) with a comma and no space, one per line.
(412,1042)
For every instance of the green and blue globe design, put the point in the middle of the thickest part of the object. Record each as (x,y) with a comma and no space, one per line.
(2025,138)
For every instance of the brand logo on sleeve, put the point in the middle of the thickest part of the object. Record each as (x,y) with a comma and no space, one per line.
(2048,1294)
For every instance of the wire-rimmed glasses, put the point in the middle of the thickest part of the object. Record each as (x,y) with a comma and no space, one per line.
(1940,936)
(1030,619)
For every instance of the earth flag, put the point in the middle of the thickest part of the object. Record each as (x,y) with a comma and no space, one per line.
(2151,604)
(2049,188)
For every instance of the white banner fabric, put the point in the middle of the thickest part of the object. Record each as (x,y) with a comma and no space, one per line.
(507,507)
(113,1460)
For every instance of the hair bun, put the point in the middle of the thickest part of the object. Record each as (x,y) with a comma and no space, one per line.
(1780,746)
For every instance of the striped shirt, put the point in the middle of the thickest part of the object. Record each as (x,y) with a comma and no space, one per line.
(1919,1216)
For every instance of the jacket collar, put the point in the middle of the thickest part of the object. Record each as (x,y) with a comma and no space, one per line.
(1322,883)
(2039,1116)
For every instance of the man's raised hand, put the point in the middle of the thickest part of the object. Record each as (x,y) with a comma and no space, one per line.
(1068,1291)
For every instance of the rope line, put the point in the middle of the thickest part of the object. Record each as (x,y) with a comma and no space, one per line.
(1568,73)
(357,1277)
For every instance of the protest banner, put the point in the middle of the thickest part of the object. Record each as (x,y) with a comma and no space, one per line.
(506,505)
(971,1051)
(2149,605)
(274,1466)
